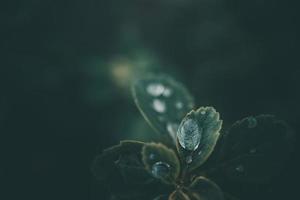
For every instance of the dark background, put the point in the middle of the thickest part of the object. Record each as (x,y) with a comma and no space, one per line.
(65,68)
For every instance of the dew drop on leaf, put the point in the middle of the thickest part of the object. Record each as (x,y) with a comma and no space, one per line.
(189,134)
(160,169)
(155,89)
(156,97)
(202,112)
(252,122)
(159,106)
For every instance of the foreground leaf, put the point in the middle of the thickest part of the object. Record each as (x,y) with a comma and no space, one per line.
(161,162)
(121,171)
(197,136)
(163,102)
(255,149)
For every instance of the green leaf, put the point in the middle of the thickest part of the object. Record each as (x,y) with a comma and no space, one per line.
(161,162)
(163,102)
(197,136)
(121,170)
(106,164)
(255,149)
(204,189)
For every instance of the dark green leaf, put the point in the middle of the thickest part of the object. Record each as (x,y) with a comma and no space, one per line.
(197,136)
(255,148)
(121,170)
(161,162)
(163,102)
(204,189)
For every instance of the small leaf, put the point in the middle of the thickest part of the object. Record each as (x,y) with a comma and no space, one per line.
(120,169)
(161,162)
(197,136)
(163,102)
(204,189)
(105,164)
(255,148)
(179,195)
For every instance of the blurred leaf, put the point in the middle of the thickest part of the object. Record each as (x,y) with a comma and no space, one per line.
(204,189)
(163,102)
(255,148)
(121,170)
(197,136)
(161,162)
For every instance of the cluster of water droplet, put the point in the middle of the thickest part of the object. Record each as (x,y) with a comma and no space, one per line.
(158,90)
(252,122)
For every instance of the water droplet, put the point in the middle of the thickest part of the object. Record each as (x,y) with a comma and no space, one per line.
(159,106)
(240,168)
(151,156)
(253,150)
(179,105)
(167,92)
(203,112)
(189,134)
(252,122)
(160,169)
(189,159)
(172,129)
(155,89)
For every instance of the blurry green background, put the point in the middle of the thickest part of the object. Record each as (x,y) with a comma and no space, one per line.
(66,67)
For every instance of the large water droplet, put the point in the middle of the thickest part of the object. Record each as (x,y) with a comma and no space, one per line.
(160,169)
(172,129)
(159,106)
(189,134)
(252,122)
(155,89)
(240,168)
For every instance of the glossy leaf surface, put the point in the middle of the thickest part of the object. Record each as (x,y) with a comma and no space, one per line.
(197,136)
(161,162)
